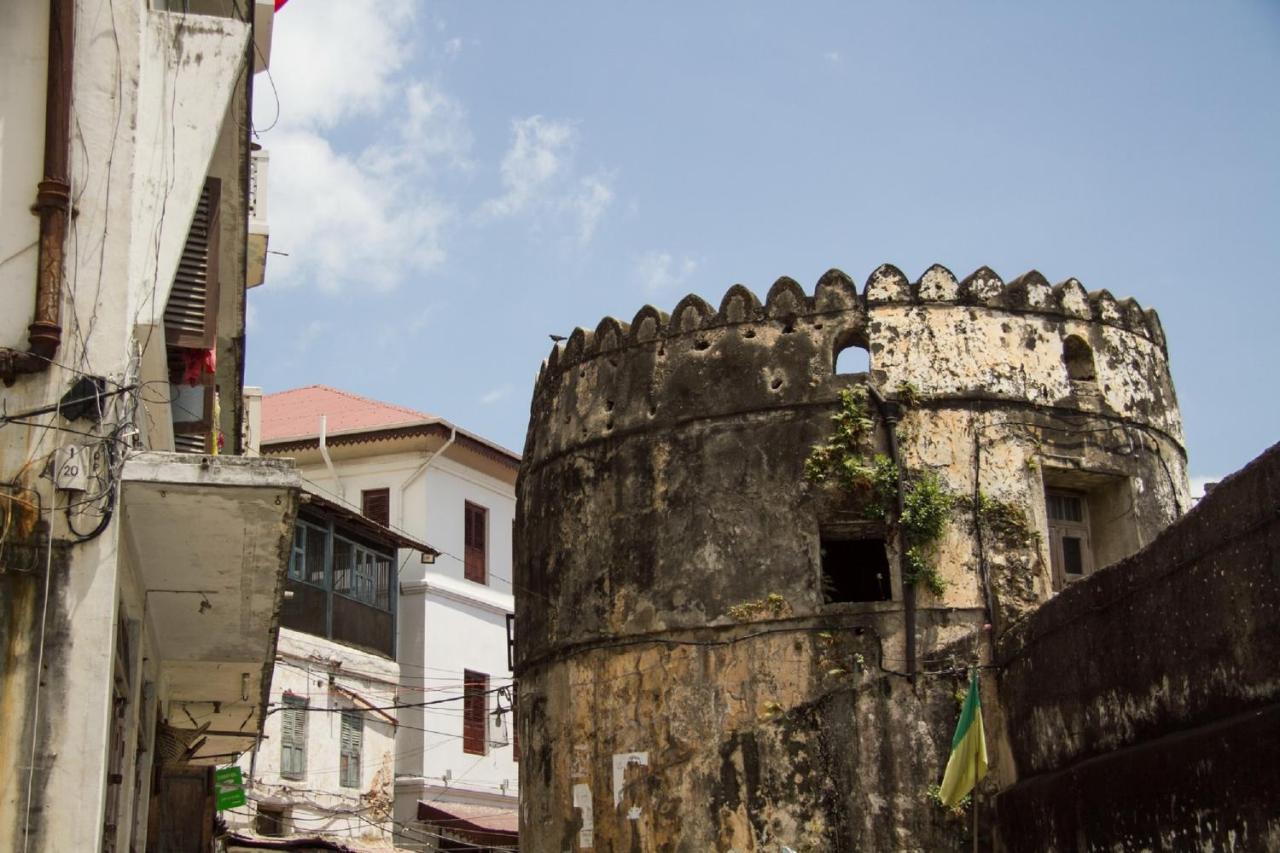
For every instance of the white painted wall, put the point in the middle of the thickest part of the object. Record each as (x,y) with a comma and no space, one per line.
(446,624)
(306,666)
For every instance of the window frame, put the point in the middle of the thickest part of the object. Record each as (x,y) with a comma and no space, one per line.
(1061,529)
(475,712)
(350,747)
(376,496)
(475,566)
(293,736)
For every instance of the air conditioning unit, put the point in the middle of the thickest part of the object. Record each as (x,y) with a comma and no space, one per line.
(497,733)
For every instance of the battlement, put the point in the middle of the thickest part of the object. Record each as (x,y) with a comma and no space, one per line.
(1029,293)
(950,338)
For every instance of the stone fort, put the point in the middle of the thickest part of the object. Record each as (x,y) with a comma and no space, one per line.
(723,645)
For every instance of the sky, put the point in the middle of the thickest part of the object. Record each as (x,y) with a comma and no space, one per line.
(451,182)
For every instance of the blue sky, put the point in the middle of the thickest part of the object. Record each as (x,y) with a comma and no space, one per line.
(454,181)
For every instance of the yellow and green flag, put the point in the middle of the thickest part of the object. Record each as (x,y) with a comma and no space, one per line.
(968,762)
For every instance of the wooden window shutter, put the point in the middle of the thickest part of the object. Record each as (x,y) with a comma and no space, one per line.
(375,505)
(475,688)
(474,542)
(293,738)
(351,742)
(191,315)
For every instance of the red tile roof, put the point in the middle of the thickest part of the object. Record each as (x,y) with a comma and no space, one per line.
(296,413)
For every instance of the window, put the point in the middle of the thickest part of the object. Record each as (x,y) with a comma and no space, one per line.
(1070,553)
(855,568)
(852,353)
(375,505)
(475,530)
(351,742)
(1078,358)
(306,563)
(475,708)
(293,737)
(270,821)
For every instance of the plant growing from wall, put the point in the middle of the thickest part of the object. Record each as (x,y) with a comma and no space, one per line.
(772,605)
(872,480)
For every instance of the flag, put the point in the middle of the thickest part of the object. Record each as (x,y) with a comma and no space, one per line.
(968,761)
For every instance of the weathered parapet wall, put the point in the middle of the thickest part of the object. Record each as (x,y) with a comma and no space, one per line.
(663,488)
(1143,703)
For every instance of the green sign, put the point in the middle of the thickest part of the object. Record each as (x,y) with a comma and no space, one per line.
(228,786)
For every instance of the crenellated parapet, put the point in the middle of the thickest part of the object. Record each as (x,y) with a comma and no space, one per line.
(951,338)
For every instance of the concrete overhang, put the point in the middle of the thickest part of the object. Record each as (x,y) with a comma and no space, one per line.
(209,539)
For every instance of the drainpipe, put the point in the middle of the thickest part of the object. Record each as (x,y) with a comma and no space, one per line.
(422,469)
(324,454)
(53,202)
(892,412)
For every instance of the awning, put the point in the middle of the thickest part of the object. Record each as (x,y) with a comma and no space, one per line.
(209,537)
(496,826)
(236,841)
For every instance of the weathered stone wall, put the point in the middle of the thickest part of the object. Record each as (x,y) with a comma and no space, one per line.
(1143,703)
(668,565)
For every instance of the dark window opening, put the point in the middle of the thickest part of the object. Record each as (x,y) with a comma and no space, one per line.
(1079,360)
(855,570)
(270,822)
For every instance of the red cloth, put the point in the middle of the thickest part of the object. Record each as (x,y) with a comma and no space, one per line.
(280,4)
(196,363)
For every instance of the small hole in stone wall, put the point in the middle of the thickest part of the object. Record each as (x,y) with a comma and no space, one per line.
(653,410)
(788,324)
(817,325)
(608,405)
(582,374)
(749,333)
(775,384)
(608,425)
(1079,359)
(851,353)
(701,345)
(855,570)
(662,352)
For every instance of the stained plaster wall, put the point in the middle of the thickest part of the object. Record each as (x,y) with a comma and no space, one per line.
(663,484)
(310,668)
(138,156)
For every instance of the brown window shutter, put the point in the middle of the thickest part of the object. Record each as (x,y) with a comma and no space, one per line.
(190,317)
(474,539)
(475,688)
(375,505)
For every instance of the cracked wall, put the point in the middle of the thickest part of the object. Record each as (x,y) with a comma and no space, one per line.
(668,567)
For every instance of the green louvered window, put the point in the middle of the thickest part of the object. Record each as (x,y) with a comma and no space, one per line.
(293,738)
(352,741)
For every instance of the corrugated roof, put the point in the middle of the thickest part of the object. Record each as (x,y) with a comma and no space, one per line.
(295,414)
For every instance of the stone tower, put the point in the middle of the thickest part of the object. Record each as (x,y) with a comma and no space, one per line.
(727,640)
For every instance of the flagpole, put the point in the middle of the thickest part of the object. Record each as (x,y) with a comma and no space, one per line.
(974,798)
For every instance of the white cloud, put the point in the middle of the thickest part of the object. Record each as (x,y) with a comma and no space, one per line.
(453,47)
(538,153)
(334,61)
(346,225)
(1198,484)
(660,271)
(432,131)
(833,56)
(311,333)
(495,395)
(538,174)
(593,198)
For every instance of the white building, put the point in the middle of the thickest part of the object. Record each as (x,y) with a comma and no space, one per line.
(139,586)
(456,774)
(326,767)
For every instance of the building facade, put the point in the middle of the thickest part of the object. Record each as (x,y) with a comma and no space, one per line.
(326,766)
(749,585)
(432,481)
(141,559)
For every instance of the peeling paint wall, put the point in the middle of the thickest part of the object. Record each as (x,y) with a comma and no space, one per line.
(668,564)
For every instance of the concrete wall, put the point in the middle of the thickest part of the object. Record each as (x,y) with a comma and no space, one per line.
(1143,703)
(670,603)
(310,667)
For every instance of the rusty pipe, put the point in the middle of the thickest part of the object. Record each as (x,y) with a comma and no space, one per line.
(891,412)
(53,202)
